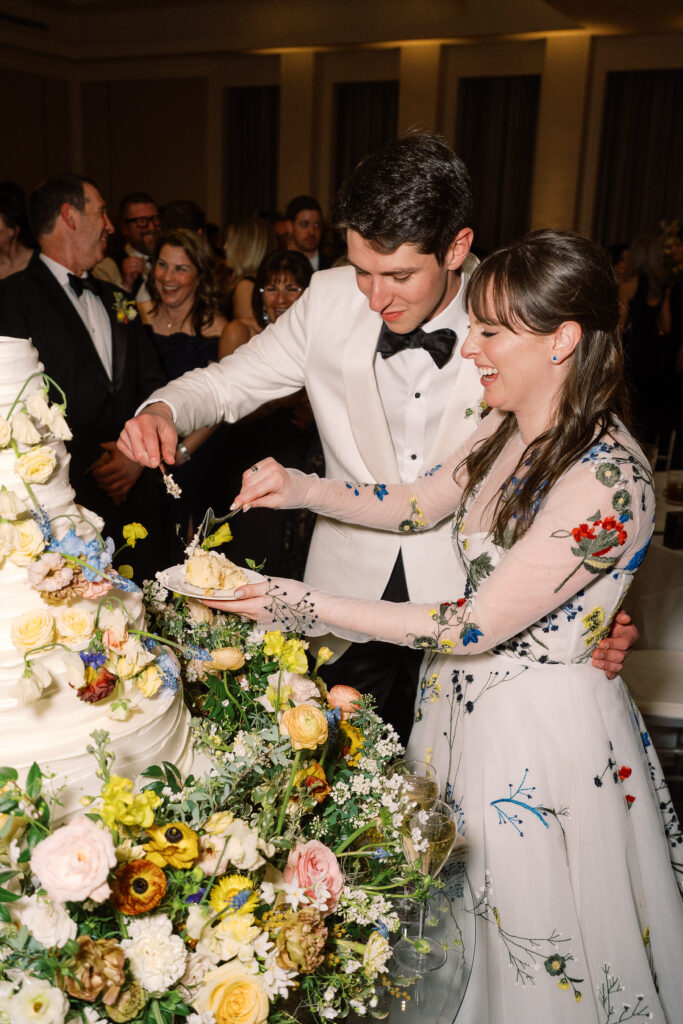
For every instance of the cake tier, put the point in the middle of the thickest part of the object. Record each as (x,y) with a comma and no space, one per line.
(18,361)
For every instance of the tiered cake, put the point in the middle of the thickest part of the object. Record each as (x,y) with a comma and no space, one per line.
(50,721)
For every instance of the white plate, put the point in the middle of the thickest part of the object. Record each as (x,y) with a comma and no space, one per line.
(174,579)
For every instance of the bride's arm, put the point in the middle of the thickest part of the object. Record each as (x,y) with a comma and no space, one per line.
(399,508)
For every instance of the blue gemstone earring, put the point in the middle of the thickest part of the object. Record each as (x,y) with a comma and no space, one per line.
(554,359)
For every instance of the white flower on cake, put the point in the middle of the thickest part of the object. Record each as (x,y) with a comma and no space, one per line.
(30,542)
(23,430)
(5,432)
(38,407)
(149,681)
(9,539)
(37,465)
(72,864)
(32,629)
(11,505)
(209,570)
(58,425)
(134,657)
(157,957)
(114,626)
(33,683)
(73,669)
(75,627)
(47,922)
(37,1002)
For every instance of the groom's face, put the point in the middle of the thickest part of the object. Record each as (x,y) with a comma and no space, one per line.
(406,287)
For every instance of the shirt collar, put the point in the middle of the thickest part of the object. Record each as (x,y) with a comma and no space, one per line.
(453,316)
(58,269)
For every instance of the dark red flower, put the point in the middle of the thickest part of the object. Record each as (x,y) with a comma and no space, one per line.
(629,799)
(624,772)
(99,683)
(460,602)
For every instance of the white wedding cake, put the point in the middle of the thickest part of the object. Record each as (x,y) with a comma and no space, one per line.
(72,657)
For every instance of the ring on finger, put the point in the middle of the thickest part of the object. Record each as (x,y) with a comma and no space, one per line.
(254,469)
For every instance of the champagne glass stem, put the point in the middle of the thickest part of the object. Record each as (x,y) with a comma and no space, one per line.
(422,920)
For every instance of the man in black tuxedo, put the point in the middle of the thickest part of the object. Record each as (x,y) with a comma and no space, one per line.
(93,344)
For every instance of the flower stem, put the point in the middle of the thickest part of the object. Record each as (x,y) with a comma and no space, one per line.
(354,835)
(288,791)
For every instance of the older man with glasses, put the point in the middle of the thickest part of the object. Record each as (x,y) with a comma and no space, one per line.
(127,264)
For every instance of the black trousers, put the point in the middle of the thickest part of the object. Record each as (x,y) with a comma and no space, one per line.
(389,672)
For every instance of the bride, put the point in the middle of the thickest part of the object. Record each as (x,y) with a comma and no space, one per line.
(555,784)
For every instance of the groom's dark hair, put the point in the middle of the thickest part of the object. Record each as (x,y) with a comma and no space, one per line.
(47,199)
(414,190)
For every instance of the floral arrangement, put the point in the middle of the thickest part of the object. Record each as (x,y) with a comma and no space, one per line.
(234,897)
(125,309)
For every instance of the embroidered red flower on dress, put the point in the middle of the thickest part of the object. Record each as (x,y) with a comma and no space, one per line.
(624,772)
(630,799)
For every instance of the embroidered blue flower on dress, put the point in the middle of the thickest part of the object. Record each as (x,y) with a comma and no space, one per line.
(354,488)
(380,491)
(470,635)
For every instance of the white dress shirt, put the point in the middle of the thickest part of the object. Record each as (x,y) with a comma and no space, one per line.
(414,391)
(91,310)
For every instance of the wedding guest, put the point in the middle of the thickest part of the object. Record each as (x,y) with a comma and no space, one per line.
(570,831)
(185,324)
(15,238)
(377,345)
(306,230)
(183,213)
(127,265)
(246,244)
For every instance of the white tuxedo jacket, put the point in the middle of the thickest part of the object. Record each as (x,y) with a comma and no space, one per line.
(326,343)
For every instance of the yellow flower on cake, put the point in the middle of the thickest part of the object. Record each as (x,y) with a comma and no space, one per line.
(134,657)
(233,996)
(133,532)
(37,406)
(149,681)
(75,627)
(33,629)
(37,465)
(175,844)
(30,542)
(305,725)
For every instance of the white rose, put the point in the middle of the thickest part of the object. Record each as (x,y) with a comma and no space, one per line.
(30,542)
(11,505)
(157,957)
(33,684)
(5,432)
(58,425)
(75,627)
(23,430)
(9,539)
(48,922)
(37,465)
(37,406)
(32,629)
(37,1002)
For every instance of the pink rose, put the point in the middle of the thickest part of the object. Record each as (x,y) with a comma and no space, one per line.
(313,862)
(73,862)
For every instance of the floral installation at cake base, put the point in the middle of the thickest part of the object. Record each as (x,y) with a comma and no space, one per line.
(260,890)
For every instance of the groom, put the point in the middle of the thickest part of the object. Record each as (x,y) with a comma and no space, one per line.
(377,347)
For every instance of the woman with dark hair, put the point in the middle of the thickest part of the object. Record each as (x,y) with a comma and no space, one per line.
(280,279)
(547,764)
(187,329)
(16,244)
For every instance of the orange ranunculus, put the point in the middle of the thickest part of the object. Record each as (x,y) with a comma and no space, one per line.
(137,887)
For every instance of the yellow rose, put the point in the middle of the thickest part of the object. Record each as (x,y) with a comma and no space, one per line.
(36,466)
(305,725)
(149,681)
(75,627)
(30,542)
(227,658)
(233,996)
(33,629)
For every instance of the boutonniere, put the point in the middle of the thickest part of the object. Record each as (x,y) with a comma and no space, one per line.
(125,309)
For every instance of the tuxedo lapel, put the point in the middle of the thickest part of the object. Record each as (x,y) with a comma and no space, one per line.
(461,414)
(118,335)
(366,413)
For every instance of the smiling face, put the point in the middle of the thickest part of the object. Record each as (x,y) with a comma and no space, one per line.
(141,226)
(93,228)
(175,276)
(406,287)
(279,294)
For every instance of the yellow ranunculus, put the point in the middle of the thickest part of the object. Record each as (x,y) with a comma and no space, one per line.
(305,725)
(230,658)
(33,629)
(121,806)
(233,996)
(37,465)
(133,532)
(353,743)
(149,681)
(174,843)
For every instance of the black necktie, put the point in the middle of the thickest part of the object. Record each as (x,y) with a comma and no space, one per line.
(82,284)
(439,344)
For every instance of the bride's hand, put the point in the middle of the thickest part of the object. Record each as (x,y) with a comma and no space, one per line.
(249,601)
(274,604)
(266,484)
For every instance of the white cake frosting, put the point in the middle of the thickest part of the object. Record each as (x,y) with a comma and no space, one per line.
(55,730)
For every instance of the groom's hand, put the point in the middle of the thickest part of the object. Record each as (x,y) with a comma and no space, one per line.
(612,651)
(150,437)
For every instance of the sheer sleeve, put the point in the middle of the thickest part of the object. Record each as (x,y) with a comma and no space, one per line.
(591,525)
(397,508)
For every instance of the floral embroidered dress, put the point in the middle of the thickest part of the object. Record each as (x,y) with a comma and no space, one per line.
(558,794)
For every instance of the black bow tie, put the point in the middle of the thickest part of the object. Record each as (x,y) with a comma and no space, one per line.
(82,284)
(439,344)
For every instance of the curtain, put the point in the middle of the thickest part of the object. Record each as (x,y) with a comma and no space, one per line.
(251,117)
(640,175)
(366,119)
(496,137)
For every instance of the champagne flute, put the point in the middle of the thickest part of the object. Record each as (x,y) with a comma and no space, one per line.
(420,783)
(428,838)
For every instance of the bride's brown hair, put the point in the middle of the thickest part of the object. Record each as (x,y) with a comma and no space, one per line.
(536,284)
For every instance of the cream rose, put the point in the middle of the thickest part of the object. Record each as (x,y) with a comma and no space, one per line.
(23,430)
(30,542)
(313,862)
(11,505)
(5,432)
(73,862)
(305,725)
(32,629)
(233,996)
(75,627)
(36,466)
(303,690)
